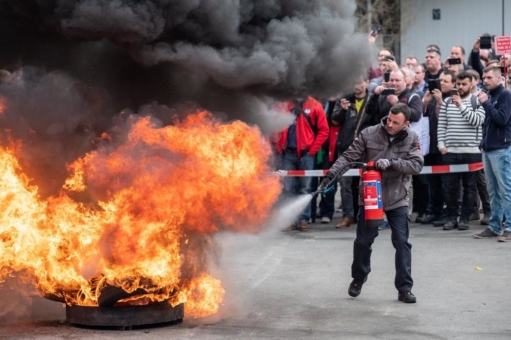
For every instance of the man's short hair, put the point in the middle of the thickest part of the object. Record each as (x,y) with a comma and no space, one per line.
(474,73)
(464,75)
(412,57)
(461,48)
(386,49)
(434,48)
(421,66)
(492,62)
(488,35)
(495,68)
(401,108)
(458,66)
(400,71)
(450,73)
(408,71)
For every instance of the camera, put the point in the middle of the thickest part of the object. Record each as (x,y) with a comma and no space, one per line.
(386,77)
(433,84)
(389,58)
(376,31)
(454,92)
(386,92)
(485,42)
(454,61)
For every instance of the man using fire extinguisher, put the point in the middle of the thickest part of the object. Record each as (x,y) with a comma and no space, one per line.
(395,149)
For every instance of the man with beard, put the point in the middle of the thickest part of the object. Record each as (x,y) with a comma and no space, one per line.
(395,148)
(349,114)
(496,146)
(459,135)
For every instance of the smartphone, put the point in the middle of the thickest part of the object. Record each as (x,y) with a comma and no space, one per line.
(485,42)
(454,92)
(433,84)
(389,58)
(454,61)
(386,92)
(376,31)
(386,77)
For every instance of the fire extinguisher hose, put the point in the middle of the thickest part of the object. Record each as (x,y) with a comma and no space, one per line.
(330,184)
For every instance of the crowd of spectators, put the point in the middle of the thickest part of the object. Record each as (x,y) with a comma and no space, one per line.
(467,105)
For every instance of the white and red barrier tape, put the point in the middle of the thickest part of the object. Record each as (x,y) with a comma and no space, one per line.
(434,169)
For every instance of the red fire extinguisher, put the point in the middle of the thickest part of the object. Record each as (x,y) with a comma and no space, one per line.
(373,205)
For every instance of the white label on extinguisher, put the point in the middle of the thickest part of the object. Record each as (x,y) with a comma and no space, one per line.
(372,196)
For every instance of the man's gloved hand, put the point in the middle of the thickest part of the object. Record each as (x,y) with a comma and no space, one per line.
(382,164)
(326,181)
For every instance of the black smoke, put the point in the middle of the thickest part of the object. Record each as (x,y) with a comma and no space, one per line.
(75,64)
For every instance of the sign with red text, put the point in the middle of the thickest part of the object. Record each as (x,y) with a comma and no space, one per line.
(503,45)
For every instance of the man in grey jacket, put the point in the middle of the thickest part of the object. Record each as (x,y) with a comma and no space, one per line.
(395,148)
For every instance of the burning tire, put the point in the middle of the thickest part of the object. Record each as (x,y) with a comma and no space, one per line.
(109,295)
(57,297)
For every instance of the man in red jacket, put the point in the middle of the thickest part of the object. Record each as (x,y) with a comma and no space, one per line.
(298,145)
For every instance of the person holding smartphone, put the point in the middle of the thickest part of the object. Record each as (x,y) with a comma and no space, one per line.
(433,99)
(459,135)
(482,47)
(389,94)
(496,146)
(458,57)
(387,65)
(349,114)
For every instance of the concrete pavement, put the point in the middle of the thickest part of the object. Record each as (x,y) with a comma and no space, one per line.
(285,285)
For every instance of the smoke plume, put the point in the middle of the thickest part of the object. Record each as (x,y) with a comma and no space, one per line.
(266,47)
(71,66)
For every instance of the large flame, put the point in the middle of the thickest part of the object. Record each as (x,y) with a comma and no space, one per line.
(138,212)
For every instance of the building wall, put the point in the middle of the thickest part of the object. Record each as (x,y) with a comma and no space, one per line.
(462,21)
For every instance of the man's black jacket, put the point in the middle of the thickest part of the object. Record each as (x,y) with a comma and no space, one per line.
(350,122)
(379,107)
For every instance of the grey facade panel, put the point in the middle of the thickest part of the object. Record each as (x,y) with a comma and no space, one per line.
(461,22)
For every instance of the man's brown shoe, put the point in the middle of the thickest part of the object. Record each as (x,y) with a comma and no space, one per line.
(345,223)
(303,225)
(290,227)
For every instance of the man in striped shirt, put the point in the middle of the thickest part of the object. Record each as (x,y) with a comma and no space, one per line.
(459,136)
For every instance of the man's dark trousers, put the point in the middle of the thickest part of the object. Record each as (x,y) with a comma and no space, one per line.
(436,191)
(399,225)
(451,182)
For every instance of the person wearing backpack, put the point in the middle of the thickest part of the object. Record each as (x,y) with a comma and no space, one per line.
(298,145)
(459,135)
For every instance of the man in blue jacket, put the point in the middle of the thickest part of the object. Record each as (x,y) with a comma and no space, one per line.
(496,146)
